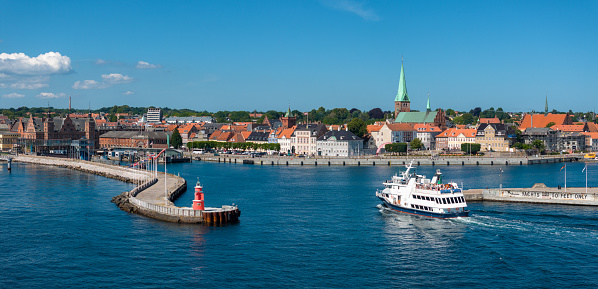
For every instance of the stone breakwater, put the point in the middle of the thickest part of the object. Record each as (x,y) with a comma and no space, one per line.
(150,197)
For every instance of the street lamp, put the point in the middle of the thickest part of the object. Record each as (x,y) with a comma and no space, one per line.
(501,171)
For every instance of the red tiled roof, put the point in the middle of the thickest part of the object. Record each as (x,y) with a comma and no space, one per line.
(541,120)
(374,127)
(426,127)
(400,127)
(592,127)
(568,128)
(454,132)
(490,120)
(287,132)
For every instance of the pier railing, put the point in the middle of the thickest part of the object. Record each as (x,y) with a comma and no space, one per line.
(168,210)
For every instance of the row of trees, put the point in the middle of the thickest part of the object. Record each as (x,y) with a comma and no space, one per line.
(232,145)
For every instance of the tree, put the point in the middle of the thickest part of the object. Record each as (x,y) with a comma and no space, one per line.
(358,127)
(466,118)
(550,124)
(396,147)
(176,140)
(112,118)
(476,111)
(376,113)
(538,144)
(450,112)
(471,148)
(416,144)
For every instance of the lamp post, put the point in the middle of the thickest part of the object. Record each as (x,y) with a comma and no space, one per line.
(501,171)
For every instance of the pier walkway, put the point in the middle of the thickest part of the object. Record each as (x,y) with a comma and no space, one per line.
(152,196)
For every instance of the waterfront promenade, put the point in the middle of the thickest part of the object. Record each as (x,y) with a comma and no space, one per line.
(385,160)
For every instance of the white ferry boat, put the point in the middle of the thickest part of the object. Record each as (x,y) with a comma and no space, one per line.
(414,194)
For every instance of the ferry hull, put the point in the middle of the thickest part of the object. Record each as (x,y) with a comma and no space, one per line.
(425,213)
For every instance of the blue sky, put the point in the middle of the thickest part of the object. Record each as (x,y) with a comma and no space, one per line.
(246,55)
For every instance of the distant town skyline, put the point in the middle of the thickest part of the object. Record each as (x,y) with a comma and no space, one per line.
(266,55)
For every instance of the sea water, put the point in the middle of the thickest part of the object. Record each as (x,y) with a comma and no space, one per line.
(301,227)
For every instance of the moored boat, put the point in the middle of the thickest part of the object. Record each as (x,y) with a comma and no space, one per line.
(414,194)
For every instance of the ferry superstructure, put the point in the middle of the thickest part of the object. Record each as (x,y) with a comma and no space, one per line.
(414,194)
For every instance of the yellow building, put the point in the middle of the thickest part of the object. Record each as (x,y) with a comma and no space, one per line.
(7,140)
(493,137)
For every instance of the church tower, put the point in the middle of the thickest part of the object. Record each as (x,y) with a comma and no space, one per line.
(402,103)
(288,120)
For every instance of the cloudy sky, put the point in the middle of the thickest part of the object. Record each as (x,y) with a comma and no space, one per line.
(246,55)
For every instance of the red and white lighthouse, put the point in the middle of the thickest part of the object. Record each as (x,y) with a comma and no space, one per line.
(198,203)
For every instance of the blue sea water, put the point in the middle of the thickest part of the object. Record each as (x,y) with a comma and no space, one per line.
(301,227)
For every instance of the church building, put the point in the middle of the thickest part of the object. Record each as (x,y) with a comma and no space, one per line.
(403,113)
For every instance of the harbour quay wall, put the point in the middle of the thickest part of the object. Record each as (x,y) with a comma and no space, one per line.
(383,160)
(570,196)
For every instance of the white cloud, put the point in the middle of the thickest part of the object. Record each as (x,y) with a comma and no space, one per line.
(48,63)
(129,92)
(100,61)
(13,95)
(108,80)
(30,82)
(89,84)
(116,78)
(146,65)
(2,75)
(26,85)
(353,7)
(48,95)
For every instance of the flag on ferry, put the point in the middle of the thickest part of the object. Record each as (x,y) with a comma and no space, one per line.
(562,168)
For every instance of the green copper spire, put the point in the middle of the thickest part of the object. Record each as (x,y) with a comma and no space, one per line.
(402,92)
(428,105)
(289,113)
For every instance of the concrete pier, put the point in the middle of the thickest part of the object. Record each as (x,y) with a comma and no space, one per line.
(539,194)
(150,197)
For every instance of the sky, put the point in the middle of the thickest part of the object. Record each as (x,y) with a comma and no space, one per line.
(269,55)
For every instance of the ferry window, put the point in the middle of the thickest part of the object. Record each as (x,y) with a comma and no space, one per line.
(427,198)
(444,201)
(453,200)
(435,200)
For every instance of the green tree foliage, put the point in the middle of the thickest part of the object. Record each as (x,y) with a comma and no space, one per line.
(112,118)
(416,144)
(538,144)
(550,124)
(522,146)
(376,113)
(489,113)
(358,127)
(396,148)
(176,140)
(450,112)
(466,118)
(472,148)
(476,111)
